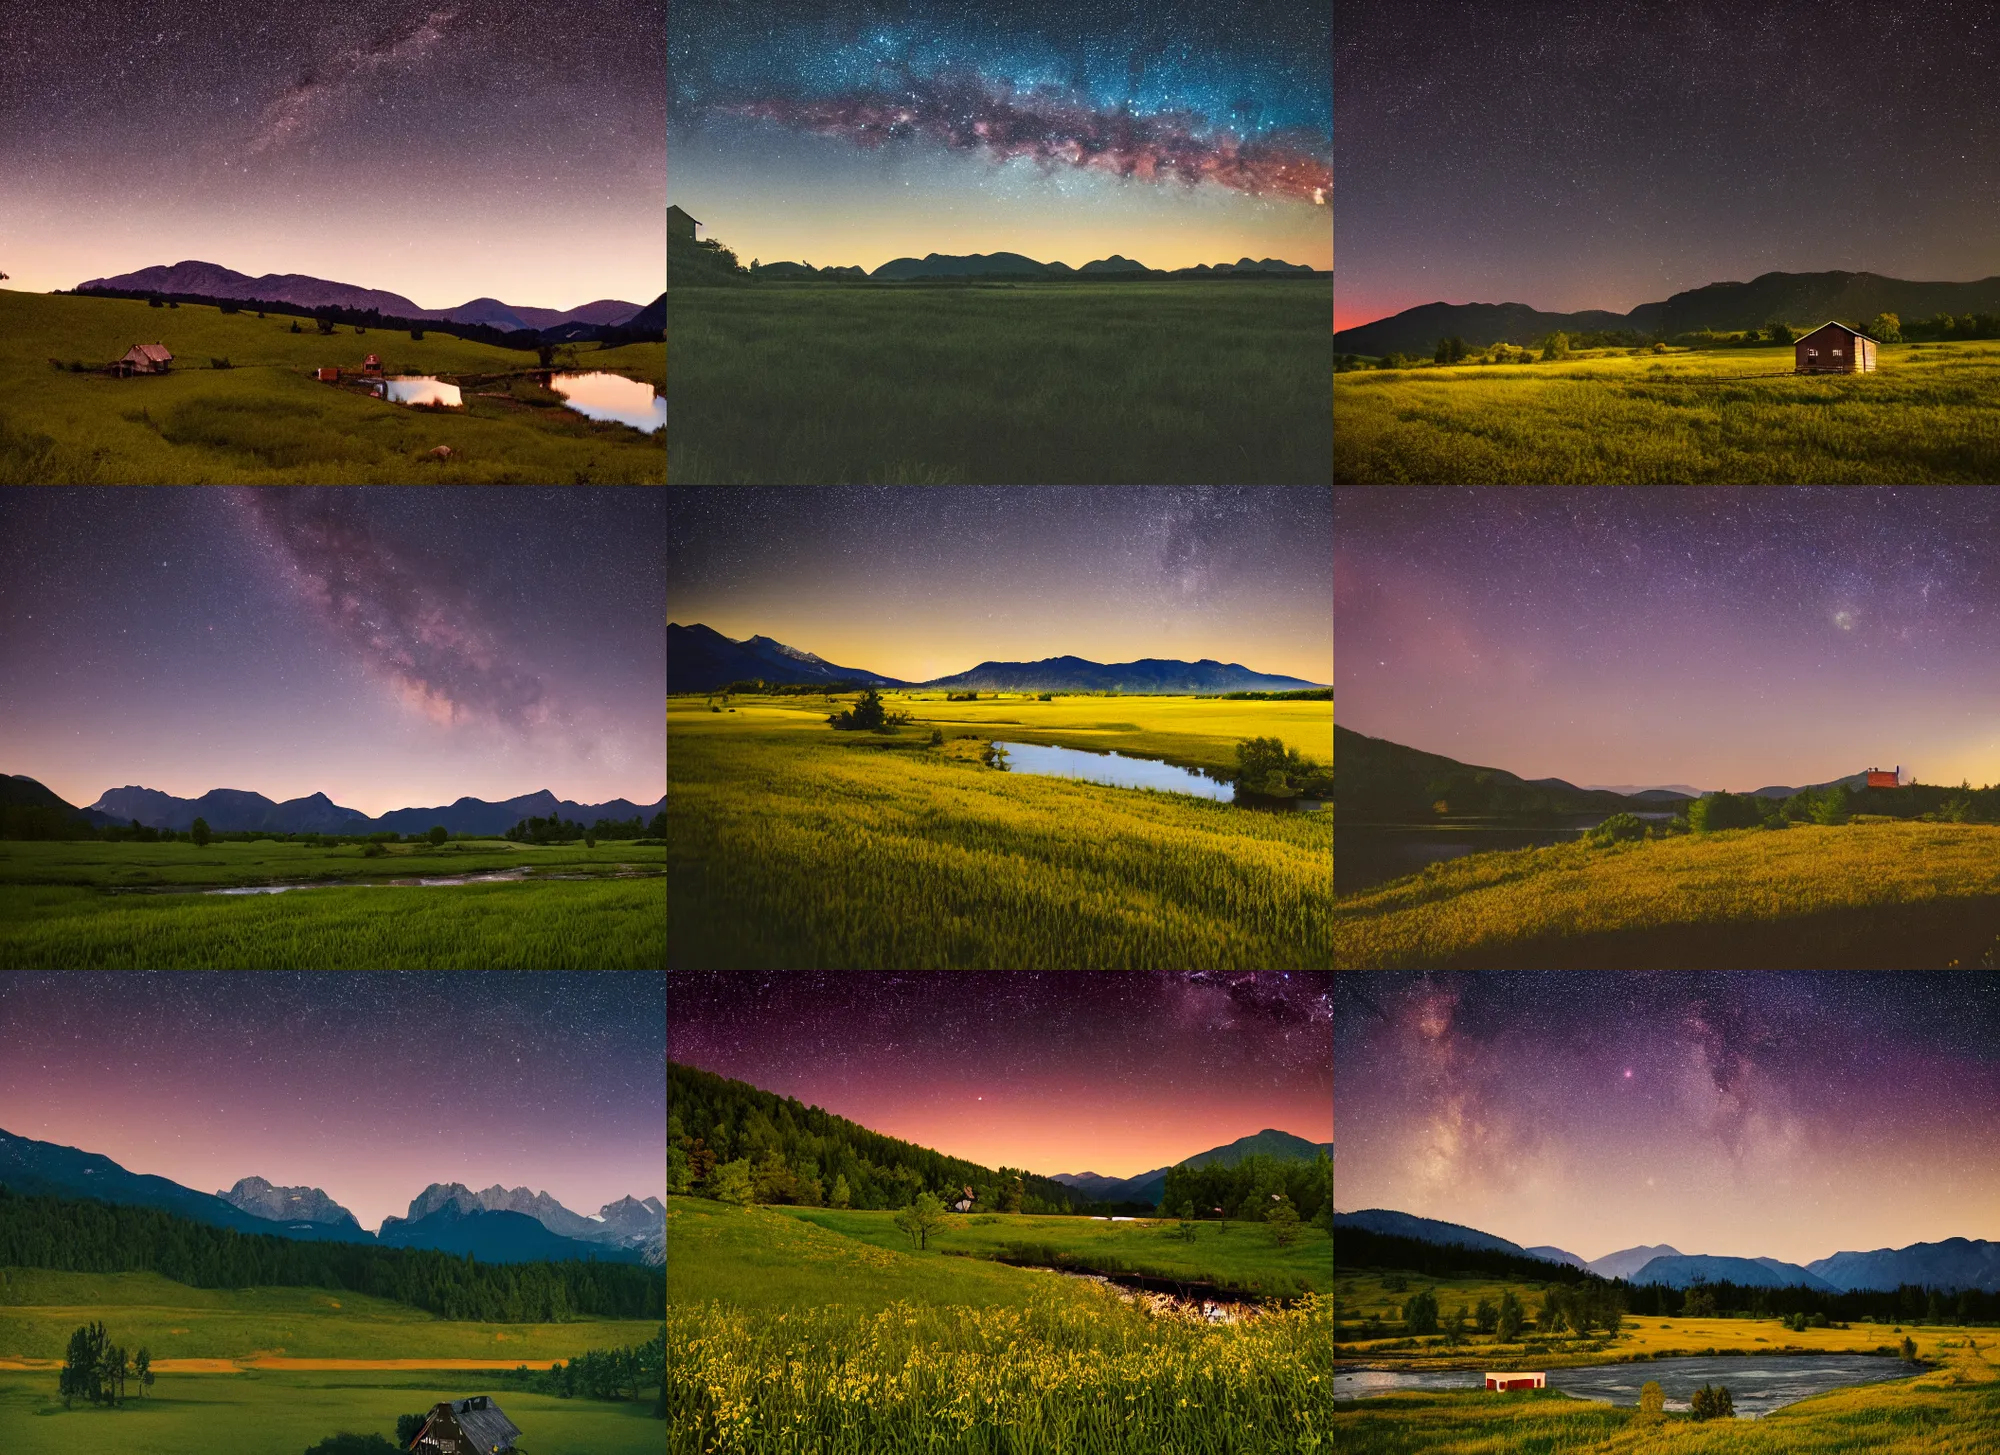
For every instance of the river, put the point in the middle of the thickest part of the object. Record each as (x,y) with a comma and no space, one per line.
(1368,854)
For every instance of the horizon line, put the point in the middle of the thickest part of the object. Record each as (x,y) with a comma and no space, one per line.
(322,793)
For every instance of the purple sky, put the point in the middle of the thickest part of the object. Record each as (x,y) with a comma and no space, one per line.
(1762,1114)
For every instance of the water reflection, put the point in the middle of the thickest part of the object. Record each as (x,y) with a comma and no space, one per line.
(418,389)
(614,397)
(1122,772)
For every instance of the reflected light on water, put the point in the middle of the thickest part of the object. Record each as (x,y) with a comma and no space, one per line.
(614,397)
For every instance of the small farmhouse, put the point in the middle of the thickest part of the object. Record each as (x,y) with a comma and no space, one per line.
(371,365)
(1878,779)
(327,374)
(679,224)
(1517,1381)
(145,359)
(1834,348)
(472,1426)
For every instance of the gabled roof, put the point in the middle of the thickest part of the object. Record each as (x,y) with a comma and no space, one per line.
(1835,323)
(674,207)
(487,1428)
(156,352)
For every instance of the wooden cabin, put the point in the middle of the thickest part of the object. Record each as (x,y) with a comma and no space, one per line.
(471,1426)
(371,365)
(679,224)
(327,374)
(1834,348)
(1517,1380)
(145,359)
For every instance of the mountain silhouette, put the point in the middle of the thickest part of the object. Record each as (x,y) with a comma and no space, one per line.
(702,659)
(1149,674)
(231,810)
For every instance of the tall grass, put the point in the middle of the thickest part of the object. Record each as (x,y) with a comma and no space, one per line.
(1926,416)
(1053,1378)
(1184,383)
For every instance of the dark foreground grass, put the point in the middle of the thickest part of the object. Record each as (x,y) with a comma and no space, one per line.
(1181,383)
(1930,414)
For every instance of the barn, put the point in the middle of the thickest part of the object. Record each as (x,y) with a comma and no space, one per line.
(1878,779)
(1517,1381)
(471,1426)
(679,224)
(371,365)
(145,359)
(1834,348)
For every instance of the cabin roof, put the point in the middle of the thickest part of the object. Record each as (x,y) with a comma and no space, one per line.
(674,207)
(487,1427)
(1834,323)
(156,352)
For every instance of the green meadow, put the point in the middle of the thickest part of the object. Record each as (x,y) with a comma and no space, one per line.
(265,420)
(794,846)
(1065,383)
(88,905)
(1929,414)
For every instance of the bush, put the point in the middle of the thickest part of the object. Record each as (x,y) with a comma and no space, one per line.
(1619,828)
(408,1427)
(937,737)
(1713,1403)
(438,834)
(1713,812)
(416,333)
(222,363)
(347,1444)
(373,851)
(1833,806)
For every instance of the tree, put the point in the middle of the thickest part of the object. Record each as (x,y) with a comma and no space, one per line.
(1554,1315)
(1885,328)
(438,834)
(1011,1193)
(842,1195)
(1284,1221)
(1833,806)
(81,1376)
(142,1369)
(1555,346)
(1909,1349)
(1700,1304)
(867,715)
(924,1216)
(1186,1230)
(408,1427)
(200,832)
(1619,828)
(731,1182)
(657,826)
(415,333)
(1652,1399)
(1486,1318)
(1449,351)
(1713,812)
(590,841)
(1508,1327)
(677,1169)
(1420,1313)
(937,737)
(1781,333)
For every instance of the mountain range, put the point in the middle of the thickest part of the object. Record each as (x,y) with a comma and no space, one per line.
(1802,299)
(1147,1186)
(211,280)
(492,1226)
(701,659)
(233,810)
(1949,1265)
(1015,265)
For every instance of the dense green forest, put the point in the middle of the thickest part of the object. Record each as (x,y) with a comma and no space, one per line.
(82,1236)
(800,1154)
(1244,1189)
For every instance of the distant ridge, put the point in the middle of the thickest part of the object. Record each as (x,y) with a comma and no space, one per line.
(231,810)
(1017,265)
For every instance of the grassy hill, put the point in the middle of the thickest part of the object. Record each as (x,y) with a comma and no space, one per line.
(1879,895)
(1926,416)
(265,421)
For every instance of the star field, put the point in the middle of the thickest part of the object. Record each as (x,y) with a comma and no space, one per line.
(1115,1073)
(1724,639)
(335,1080)
(1749,1115)
(1574,157)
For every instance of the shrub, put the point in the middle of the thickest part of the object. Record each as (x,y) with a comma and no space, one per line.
(937,737)
(438,834)
(349,1444)
(416,333)
(373,851)
(1619,828)
(222,363)
(1713,812)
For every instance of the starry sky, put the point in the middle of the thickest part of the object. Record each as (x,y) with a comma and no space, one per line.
(1116,1073)
(1762,1114)
(331,1079)
(442,149)
(1606,155)
(851,132)
(1713,637)
(391,647)
(917,582)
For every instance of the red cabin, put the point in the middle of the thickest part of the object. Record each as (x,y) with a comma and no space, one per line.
(1878,779)
(1517,1381)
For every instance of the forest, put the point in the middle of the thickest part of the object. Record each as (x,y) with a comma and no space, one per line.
(1244,1189)
(800,1154)
(83,1236)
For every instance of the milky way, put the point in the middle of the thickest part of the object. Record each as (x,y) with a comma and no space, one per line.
(1758,1114)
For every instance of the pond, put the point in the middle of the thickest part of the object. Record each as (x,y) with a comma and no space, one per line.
(1757,1384)
(1370,854)
(1121,771)
(613,396)
(420,389)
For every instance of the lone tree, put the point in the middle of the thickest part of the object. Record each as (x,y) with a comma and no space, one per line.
(1284,1221)
(81,1376)
(200,833)
(866,715)
(1508,1329)
(142,1369)
(1652,1399)
(924,1216)
(438,834)
(1186,1230)
(1420,1314)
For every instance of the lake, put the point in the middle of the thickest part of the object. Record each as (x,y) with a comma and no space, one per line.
(1370,854)
(421,389)
(613,396)
(1121,771)
(1757,1384)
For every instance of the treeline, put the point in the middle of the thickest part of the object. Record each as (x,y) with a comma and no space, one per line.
(1909,1303)
(631,1372)
(1359,1248)
(803,1155)
(1837,804)
(84,1236)
(1302,694)
(1246,1189)
(556,830)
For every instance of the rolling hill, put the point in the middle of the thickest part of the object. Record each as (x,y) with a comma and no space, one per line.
(1952,1264)
(1627,1261)
(233,810)
(1147,1186)
(702,659)
(1148,674)
(1687,1269)
(1429,1230)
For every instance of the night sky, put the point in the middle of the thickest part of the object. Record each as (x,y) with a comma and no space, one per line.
(441,149)
(1116,1073)
(842,132)
(917,582)
(1719,638)
(1610,154)
(333,1080)
(390,647)
(1762,1114)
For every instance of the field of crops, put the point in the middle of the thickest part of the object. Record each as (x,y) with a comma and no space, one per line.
(795,847)
(1926,416)
(1084,383)
(264,421)
(56,911)
(786,1337)
(1884,895)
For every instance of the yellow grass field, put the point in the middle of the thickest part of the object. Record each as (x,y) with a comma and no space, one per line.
(1886,895)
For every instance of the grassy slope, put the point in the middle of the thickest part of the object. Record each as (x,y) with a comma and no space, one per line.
(796,847)
(1243,1257)
(1875,895)
(1184,383)
(1926,415)
(271,1413)
(40,1308)
(264,421)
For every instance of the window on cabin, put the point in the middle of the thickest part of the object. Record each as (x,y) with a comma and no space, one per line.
(1836,353)
(1812,353)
